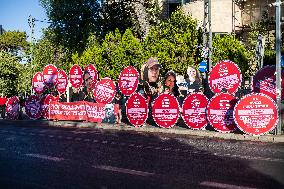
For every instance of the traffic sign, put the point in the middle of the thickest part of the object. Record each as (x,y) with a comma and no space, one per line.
(203,66)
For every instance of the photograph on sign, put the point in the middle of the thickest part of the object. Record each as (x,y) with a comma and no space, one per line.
(76,76)
(136,110)
(165,110)
(104,91)
(50,75)
(220,112)
(13,108)
(62,82)
(91,69)
(225,75)
(128,80)
(256,114)
(33,107)
(194,110)
(38,83)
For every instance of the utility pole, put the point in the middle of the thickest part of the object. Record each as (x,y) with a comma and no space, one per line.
(207,32)
(31,22)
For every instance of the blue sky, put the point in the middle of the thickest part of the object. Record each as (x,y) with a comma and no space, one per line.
(14,15)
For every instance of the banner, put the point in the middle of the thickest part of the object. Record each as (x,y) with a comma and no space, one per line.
(82,110)
(93,73)
(165,110)
(76,76)
(45,101)
(256,114)
(104,91)
(220,112)
(136,109)
(62,82)
(194,111)
(33,107)
(13,108)
(50,75)
(225,75)
(128,80)
(38,83)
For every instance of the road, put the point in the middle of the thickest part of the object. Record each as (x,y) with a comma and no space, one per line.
(52,157)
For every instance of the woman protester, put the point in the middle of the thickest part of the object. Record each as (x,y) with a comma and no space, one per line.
(170,85)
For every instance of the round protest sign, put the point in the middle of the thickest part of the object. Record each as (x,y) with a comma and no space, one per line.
(76,76)
(225,75)
(220,112)
(136,109)
(264,82)
(165,110)
(33,107)
(104,91)
(13,108)
(194,111)
(62,81)
(256,114)
(128,80)
(91,69)
(45,101)
(38,83)
(50,75)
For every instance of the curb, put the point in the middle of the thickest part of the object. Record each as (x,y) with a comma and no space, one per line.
(179,131)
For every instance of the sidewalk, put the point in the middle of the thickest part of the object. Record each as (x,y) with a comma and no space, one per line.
(179,131)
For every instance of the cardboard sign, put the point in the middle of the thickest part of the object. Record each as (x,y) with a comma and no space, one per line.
(76,76)
(264,82)
(38,83)
(220,112)
(13,108)
(104,91)
(128,80)
(33,107)
(256,114)
(50,75)
(93,72)
(136,110)
(82,110)
(45,101)
(194,111)
(165,110)
(225,75)
(62,82)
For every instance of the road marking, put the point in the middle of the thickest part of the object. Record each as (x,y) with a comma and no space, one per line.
(223,185)
(122,170)
(95,140)
(45,157)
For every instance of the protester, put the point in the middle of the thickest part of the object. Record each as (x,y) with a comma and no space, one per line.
(76,94)
(88,94)
(170,85)
(3,100)
(63,97)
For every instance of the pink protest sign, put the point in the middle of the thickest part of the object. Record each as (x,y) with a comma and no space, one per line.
(225,75)
(165,110)
(194,111)
(13,108)
(256,114)
(38,83)
(33,107)
(136,109)
(104,91)
(62,81)
(264,82)
(128,80)
(50,75)
(220,112)
(93,72)
(45,101)
(76,76)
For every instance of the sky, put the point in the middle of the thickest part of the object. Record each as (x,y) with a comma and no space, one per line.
(14,15)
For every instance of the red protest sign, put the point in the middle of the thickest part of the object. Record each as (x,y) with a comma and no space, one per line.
(220,112)
(50,75)
(13,108)
(38,83)
(225,75)
(104,91)
(93,72)
(264,82)
(45,101)
(33,107)
(3,101)
(76,76)
(62,81)
(165,110)
(256,114)
(136,109)
(128,80)
(194,111)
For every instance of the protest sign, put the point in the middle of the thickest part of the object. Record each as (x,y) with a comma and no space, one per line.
(38,83)
(50,75)
(76,76)
(91,69)
(13,108)
(104,91)
(33,107)
(62,81)
(128,80)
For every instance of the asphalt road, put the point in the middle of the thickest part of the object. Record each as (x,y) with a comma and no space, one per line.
(50,157)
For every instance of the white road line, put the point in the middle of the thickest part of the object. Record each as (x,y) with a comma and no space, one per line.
(122,170)
(223,185)
(45,157)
